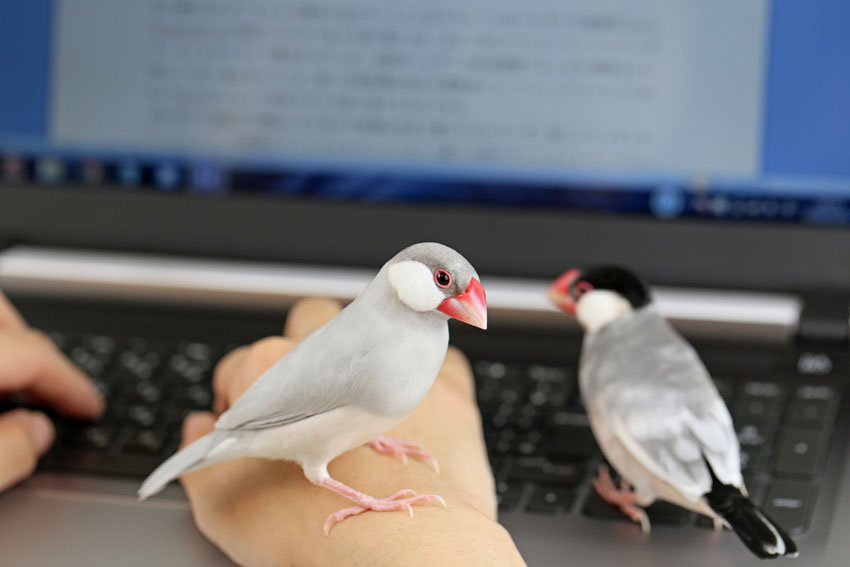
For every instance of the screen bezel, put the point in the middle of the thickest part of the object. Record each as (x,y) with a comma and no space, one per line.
(499,241)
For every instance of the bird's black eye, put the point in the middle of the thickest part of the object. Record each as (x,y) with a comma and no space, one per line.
(580,288)
(442,278)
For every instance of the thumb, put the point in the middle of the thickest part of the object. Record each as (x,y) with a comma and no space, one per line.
(24,437)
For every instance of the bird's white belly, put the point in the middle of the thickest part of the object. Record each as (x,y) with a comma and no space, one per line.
(647,485)
(313,442)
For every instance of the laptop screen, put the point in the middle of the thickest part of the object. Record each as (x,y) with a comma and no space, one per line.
(726,111)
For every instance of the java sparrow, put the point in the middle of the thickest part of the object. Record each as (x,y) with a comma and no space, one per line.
(350,381)
(655,411)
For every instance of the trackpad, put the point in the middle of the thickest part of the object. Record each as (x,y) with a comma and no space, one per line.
(56,527)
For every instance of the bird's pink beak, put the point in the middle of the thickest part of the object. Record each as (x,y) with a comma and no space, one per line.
(559,291)
(469,307)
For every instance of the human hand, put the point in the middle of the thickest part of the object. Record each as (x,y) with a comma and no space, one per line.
(33,367)
(266,512)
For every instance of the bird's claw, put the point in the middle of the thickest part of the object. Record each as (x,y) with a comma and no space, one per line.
(624,498)
(401,448)
(401,500)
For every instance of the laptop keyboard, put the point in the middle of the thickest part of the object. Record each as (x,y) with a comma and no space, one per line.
(541,448)
(543,453)
(151,385)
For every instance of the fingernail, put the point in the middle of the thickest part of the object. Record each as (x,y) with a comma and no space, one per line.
(40,428)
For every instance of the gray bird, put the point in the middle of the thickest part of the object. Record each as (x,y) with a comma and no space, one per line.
(350,381)
(655,411)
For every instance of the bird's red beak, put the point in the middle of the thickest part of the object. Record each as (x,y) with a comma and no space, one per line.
(469,307)
(559,291)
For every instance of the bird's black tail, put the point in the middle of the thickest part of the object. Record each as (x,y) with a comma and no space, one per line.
(758,532)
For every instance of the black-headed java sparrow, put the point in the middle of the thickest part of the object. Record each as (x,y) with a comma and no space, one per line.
(350,381)
(655,411)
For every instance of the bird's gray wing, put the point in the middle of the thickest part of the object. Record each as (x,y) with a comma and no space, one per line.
(661,404)
(320,374)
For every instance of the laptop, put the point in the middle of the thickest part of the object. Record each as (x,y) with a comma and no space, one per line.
(173,174)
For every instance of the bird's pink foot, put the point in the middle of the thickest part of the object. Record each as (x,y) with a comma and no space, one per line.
(400,448)
(624,498)
(401,500)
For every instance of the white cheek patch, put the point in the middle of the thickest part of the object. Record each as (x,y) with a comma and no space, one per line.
(414,284)
(599,307)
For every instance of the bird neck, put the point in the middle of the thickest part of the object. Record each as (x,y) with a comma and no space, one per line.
(600,307)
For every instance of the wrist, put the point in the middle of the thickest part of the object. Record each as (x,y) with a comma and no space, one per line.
(459,535)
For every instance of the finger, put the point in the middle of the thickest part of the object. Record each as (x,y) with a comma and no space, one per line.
(196,426)
(457,373)
(29,362)
(221,374)
(24,436)
(238,373)
(9,316)
(309,314)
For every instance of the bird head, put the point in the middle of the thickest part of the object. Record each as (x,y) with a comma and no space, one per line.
(598,295)
(432,277)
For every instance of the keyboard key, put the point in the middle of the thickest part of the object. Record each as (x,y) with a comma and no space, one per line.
(508,496)
(492,370)
(790,503)
(135,366)
(759,402)
(91,363)
(542,470)
(523,417)
(705,522)
(550,374)
(550,500)
(198,352)
(147,392)
(753,459)
(569,443)
(499,382)
(725,389)
(813,406)
(596,507)
(754,434)
(503,441)
(668,514)
(814,364)
(145,441)
(528,444)
(102,386)
(86,435)
(141,415)
(174,415)
(568,418)
(801,452)
(183,368)
(60,339)
(764,390)
(101,345)
(199,397)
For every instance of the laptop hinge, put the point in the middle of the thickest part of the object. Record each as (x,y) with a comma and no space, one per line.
(825,319)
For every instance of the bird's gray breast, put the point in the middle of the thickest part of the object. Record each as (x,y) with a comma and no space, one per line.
(642,354)
(400,378)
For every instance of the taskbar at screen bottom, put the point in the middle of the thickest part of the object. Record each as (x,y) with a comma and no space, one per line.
(208,177)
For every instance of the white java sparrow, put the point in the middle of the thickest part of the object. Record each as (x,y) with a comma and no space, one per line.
(350,381)
(655,411)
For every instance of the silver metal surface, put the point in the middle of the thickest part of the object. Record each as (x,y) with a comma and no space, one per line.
(84,522)
(748,315)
